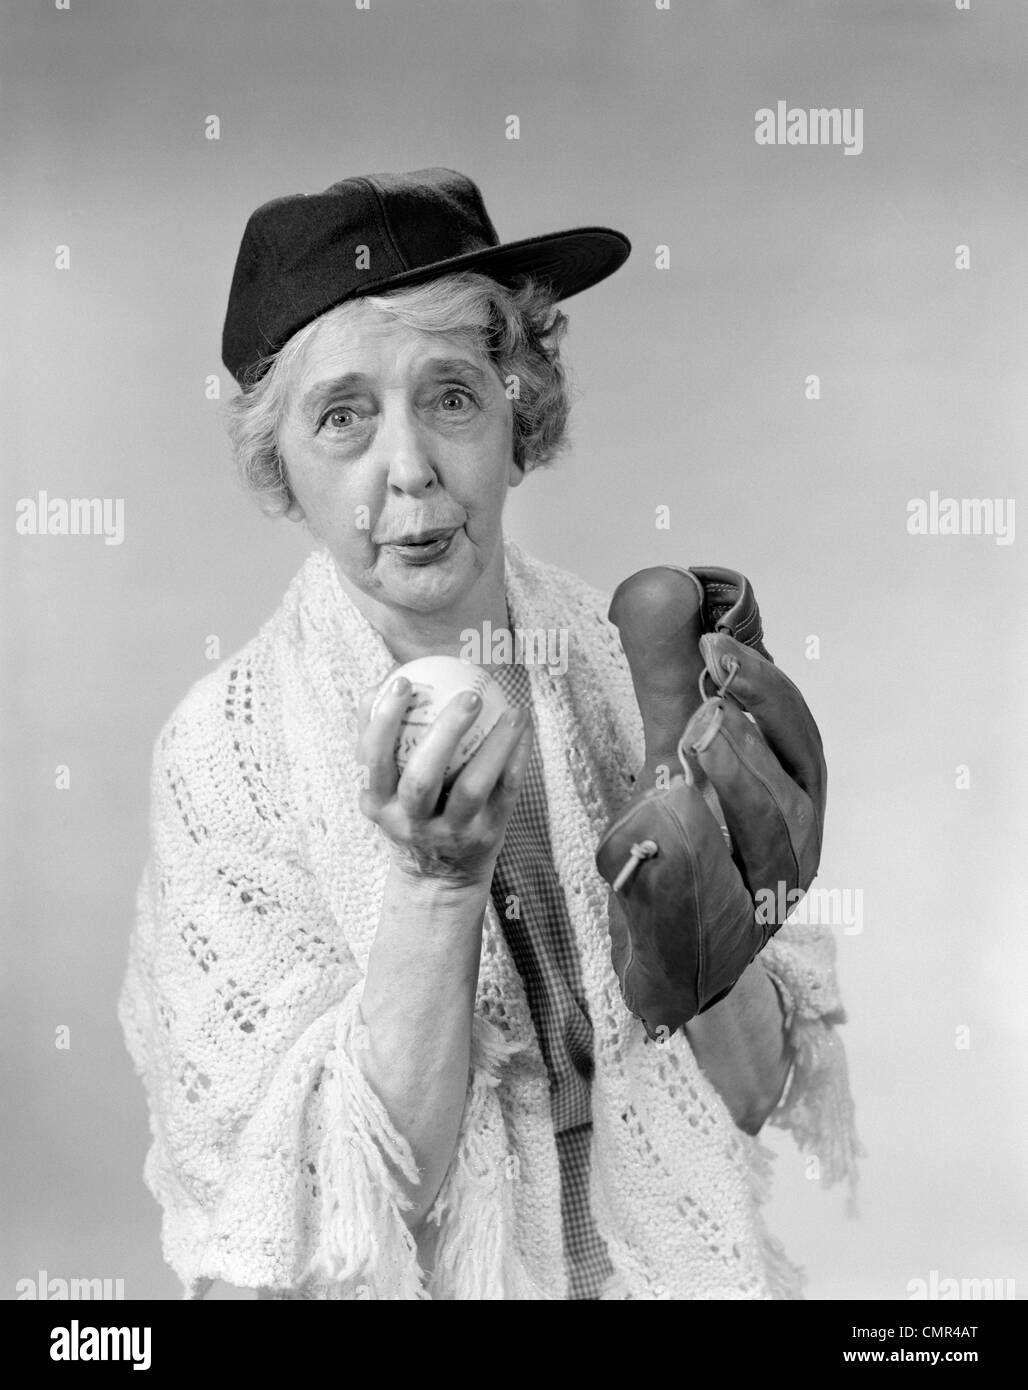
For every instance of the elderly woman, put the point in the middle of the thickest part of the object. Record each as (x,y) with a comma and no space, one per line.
(384,1048)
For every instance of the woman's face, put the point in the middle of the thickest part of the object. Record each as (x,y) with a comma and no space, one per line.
(398,449)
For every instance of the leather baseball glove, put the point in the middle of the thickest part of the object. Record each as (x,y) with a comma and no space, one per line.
(725,826)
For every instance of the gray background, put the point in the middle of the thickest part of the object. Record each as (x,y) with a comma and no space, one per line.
(784,261)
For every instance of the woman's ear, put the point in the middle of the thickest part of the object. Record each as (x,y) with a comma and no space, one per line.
(294,512)
(515,474)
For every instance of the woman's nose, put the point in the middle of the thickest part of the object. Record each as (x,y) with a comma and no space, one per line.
(404,450)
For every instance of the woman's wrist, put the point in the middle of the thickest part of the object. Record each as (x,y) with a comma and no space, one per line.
(431,882)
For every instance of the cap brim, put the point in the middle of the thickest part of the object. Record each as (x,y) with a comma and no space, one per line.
(568,262)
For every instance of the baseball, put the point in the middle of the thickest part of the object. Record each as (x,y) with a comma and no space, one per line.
(434,681)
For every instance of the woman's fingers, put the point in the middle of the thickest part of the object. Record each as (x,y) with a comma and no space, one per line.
(364,708)
(376,739)
(465,828)
(421,783)
(496,770)
(512,778)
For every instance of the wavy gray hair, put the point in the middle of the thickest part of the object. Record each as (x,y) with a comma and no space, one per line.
(519,330)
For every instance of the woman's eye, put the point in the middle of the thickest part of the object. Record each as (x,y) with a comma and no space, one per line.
(340,418)
(454,401)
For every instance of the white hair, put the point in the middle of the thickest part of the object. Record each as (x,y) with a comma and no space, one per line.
(518,329)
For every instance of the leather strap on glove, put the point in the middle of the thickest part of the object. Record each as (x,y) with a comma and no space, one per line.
(726,824)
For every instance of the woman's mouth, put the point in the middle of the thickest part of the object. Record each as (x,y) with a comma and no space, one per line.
(422,549)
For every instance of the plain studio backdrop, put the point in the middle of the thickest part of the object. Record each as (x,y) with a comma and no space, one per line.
(692,370)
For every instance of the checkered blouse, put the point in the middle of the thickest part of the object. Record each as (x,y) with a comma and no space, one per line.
(530,903)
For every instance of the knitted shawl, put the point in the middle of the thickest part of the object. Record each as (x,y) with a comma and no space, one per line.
(241,1004)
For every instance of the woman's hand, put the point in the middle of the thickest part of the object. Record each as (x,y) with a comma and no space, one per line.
(459,841)
(419,992)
